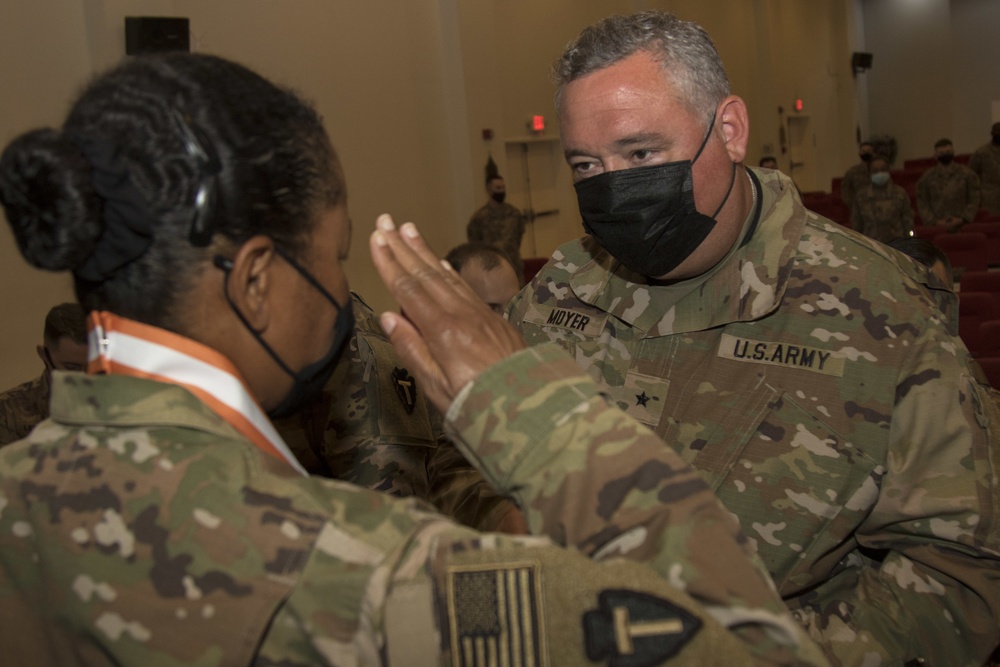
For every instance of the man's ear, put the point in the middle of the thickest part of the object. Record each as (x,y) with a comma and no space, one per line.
(735,126)
(252,280)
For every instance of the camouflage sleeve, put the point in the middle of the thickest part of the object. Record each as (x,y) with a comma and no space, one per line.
(934,532)
(660,575)
(458,490)
(593,479)
(924,202)
(847,189)
(976,164)
(857,219)
(907,212)
(474,231)
(974,193)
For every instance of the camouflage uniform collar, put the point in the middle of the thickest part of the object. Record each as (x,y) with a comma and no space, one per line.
(119,400)
(746,285)
(124,347)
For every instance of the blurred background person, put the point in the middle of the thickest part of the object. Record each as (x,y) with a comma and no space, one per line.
(857,177)
(63,348)
(496,223)
(985,164)
(948,193)
(882,209)
(488,272)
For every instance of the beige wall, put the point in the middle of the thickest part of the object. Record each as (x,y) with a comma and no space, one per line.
(406,87)
(936,71)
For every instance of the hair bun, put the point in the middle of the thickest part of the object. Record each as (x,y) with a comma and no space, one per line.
(51,205)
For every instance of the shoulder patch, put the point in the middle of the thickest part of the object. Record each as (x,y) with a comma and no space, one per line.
(781,354)
(631,629)
(587,323)
(495,614)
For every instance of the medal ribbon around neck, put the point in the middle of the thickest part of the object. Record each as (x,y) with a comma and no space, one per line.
(120,346)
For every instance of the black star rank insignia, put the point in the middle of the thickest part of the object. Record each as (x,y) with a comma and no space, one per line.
(406,388)
(630,629)
(642,399)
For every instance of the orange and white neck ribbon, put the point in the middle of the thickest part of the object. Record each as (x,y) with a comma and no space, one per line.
(120,346)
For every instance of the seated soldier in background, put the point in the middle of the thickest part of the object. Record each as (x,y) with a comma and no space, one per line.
(63,348)
(857,177)
(488,272)
(882,210)
(948,193)
(372,426)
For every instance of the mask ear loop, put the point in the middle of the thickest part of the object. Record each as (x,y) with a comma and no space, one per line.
(704,142)
(226,265)
(732,180)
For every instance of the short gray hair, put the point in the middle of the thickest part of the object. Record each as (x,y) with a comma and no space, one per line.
(683,49)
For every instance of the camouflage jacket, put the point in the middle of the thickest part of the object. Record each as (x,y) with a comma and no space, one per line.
(985,164)
(22,407)
(372,426)
(947,191)
(883,214)
(138,528)
(856,179)
(500,226)
(813,382)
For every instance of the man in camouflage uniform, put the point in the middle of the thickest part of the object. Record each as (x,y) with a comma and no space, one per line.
(808,377)
(162,529)
(63,348)
(882,210)
(948,192)
(858,176)
(372,426)
(985,164)
(499,224)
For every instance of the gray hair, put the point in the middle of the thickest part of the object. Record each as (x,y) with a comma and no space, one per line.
(683,48)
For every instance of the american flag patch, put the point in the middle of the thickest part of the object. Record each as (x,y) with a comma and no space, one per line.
(494,611)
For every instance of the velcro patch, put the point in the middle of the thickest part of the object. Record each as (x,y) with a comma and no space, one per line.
(587,323)
(495,613)
(632,629)
(781,354)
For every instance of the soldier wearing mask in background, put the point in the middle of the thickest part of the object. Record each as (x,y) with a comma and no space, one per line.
(810,380)
(499,224)
(882,210)
(985,164)
(948,193)
(857,177)
(63,348)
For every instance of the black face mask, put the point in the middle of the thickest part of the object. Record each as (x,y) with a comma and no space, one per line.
(996,139)
(308,382)
(866,157)
(499,197)
(946,158)
(646,216)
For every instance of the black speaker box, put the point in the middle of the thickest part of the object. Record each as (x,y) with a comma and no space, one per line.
(861,61)
(155,34)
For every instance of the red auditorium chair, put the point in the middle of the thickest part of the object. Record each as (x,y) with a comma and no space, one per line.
(990,227)
(965,250)
(920,164)
(928,232)
(974,308)
(991,367)
(533,265)
(987,282)
(989,336)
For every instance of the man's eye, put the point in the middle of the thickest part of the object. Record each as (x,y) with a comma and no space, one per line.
(641,155)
